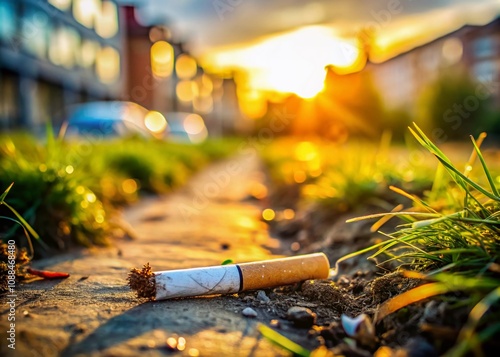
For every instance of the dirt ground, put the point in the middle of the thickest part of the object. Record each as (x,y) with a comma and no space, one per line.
(216,217)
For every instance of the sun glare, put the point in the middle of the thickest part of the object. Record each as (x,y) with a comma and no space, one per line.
(293,62)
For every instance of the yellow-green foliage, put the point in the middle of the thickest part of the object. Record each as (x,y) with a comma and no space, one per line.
(347,175)
(68,190)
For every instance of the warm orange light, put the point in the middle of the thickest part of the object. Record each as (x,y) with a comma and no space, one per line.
(155,121)
(185,67)
(299,176)
(293,62)
(252,104)
(205,85)
(268,214)
(259,190)
(129,186)
(305,151)
(162,55)
(289,213)
(186,90)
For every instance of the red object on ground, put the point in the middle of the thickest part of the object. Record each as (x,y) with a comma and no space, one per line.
(48,274)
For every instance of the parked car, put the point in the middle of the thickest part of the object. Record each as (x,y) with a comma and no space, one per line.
(185,127)
(109,120)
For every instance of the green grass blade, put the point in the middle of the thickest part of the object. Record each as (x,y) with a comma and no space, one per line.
(282,341)
(32,251)
(23,221)
(427,143)
(5,193)
(465,179)
(485,168)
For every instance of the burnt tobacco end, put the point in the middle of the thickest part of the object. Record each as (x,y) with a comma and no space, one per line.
(143,282)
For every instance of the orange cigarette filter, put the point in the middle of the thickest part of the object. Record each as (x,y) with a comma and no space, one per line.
(285,271)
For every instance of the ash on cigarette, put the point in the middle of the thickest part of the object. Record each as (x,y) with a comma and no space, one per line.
(142,281)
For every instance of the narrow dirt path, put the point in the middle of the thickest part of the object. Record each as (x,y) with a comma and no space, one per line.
(93,313)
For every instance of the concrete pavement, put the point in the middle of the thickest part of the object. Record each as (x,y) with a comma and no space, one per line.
(93,313)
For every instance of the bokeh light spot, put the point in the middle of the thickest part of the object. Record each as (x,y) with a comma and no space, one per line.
(155,121)
(129,186)
(305,151)
(268,214)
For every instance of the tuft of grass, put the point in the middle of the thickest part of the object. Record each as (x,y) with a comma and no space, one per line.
(452,234)
(458,232)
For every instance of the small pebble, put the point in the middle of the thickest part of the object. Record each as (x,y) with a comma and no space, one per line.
(261,295)
(301,316)
(249,312)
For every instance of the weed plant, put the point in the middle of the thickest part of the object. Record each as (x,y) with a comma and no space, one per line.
(452,234)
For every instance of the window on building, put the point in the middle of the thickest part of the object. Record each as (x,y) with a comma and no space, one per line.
(85,11)
(483,47)
(63,5)
(64,46)
(7,20)
(108,65)
(88,53)
(106,24)
(35,29)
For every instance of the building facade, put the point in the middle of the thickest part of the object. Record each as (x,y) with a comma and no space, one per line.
(162,75)
(473,49)
(54,53)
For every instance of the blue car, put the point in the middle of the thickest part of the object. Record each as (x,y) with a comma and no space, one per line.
(115,119)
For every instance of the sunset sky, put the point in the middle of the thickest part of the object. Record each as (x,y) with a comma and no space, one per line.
(267,40)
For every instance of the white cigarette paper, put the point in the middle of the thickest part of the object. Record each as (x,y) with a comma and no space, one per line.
(228,279)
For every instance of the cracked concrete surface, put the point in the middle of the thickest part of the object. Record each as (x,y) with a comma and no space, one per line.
(93,313)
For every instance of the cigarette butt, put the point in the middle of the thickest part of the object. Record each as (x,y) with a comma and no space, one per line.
(228,279)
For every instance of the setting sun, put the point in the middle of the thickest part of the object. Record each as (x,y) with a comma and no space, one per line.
(292,62)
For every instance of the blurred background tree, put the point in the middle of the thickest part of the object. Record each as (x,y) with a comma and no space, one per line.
(457,107)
